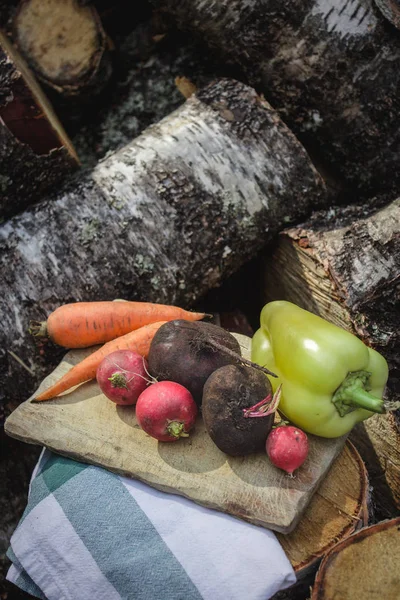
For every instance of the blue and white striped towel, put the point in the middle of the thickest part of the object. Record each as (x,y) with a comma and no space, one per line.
(88,534)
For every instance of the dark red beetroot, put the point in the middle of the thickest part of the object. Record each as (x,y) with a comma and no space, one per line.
(122,376)
(166,411)
(185,352)
(287,447)
(228,394)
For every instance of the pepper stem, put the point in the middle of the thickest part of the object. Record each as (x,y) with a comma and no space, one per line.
(176,429)
(354,393)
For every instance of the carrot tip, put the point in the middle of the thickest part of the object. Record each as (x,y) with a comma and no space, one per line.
(39,399)
(38,328)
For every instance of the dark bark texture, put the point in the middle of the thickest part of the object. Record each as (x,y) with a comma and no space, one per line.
(362,256)
(355,282)
(331,68)
(345,266)
(143,89)
(143,92)
(35,152)
(391,10)
(164,219)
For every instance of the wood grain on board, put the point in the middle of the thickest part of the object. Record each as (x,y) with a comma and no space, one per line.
(84,425)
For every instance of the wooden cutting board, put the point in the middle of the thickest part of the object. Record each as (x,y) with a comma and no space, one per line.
(86,426)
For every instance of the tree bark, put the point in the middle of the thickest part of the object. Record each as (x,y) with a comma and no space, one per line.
(391,10)
(65,45)
(344,266)
(330,67)
(143,93)
(164,219)
(35,151)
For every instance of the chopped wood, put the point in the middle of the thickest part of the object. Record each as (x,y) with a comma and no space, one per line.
(164,219)
(338,508)
(331,68)
(185,86)
(35,151)
(344,266)
(364,565)
(21,362)
(378,441)
(65,44)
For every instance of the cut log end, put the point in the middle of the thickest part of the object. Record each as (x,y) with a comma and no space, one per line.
(35,150)
(365,565)
(338,509)
(64,43)
(27,112)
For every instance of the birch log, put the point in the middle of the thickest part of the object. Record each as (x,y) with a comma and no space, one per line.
(331,68)
(35,151)
(164,219)
(345,266)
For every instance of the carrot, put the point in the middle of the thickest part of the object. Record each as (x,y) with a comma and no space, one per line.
(84,324)
(138,340)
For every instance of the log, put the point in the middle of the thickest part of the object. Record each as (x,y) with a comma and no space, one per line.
(164,219)
(344,266)
(143,93)
(35,151)
(330,67)
(391,10)
(65,45)
(365,565)
(338,509)
(378,441)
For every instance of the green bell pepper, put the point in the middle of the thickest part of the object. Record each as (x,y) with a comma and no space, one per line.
(330,379)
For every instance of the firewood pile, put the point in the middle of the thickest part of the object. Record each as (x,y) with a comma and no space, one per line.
(212,154)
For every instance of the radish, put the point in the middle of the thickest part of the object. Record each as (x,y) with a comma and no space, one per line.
(123,376)
(166,411)
(287,448)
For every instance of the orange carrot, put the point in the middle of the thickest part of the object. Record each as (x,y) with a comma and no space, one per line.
(138,340)
(84,324)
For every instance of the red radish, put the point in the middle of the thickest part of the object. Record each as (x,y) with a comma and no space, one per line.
(166,411)
(287,447)
(122,376)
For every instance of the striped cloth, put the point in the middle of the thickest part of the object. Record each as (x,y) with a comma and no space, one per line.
(89,534)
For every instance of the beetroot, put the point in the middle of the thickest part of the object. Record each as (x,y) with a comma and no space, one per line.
(188,353)
(166,411)
(122,376)
(234,397)
(287,447)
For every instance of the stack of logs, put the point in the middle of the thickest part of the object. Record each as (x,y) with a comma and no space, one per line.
(220,180)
